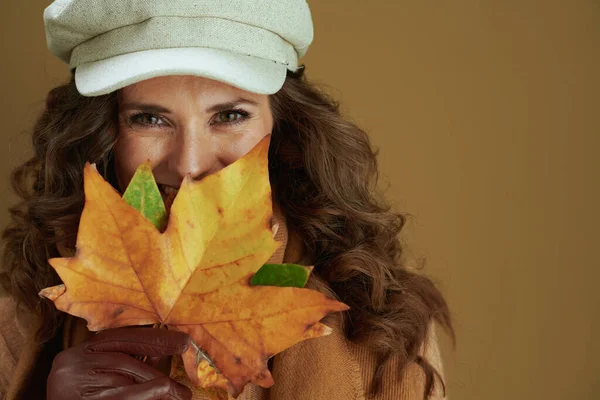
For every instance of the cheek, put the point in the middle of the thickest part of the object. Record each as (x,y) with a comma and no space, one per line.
(233,147)
(129,152)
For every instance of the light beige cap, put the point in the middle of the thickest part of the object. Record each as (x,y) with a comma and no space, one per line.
(249,44)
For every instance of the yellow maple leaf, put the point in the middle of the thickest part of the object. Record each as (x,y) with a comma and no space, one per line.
(195,276)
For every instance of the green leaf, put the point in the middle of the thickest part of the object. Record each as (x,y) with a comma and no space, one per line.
(143,194)
(288,275)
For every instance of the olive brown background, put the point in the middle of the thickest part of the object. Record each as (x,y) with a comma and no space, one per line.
(486,114)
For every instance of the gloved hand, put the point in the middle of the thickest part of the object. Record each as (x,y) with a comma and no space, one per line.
(102,367)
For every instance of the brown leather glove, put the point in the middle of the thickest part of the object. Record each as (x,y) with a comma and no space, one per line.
(102,368)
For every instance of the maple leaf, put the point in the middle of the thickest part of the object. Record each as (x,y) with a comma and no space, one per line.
(196,276)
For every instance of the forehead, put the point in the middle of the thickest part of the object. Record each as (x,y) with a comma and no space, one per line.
(176,86)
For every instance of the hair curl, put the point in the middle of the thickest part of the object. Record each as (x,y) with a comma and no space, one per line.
(324,173)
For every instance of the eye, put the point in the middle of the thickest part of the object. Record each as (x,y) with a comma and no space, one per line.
(229,117)
(145,119)
(149,120)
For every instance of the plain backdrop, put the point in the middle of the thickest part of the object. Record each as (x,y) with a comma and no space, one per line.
(486,114)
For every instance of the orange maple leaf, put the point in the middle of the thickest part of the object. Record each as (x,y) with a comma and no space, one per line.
(193,277)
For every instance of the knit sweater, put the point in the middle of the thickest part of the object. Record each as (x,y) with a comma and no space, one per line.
(328,368)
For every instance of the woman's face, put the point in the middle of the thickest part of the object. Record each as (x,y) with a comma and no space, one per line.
(186,125)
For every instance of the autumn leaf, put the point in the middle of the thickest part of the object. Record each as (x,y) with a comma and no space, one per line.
(195,276)
(142,194)
(286,275)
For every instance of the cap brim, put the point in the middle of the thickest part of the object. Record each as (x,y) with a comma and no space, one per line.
(249,73)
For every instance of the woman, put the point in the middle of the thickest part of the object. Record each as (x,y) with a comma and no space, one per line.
(193,86)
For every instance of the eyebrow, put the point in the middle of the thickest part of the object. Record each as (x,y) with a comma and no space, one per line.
(149,107)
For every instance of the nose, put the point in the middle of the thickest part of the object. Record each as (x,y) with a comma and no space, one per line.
(193,154)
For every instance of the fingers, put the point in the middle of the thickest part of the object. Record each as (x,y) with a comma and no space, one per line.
(123,365)
(102,367)
(157,389)
(98,382)
(139,342)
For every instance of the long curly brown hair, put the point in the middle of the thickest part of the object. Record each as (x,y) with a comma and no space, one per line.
(324,174)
